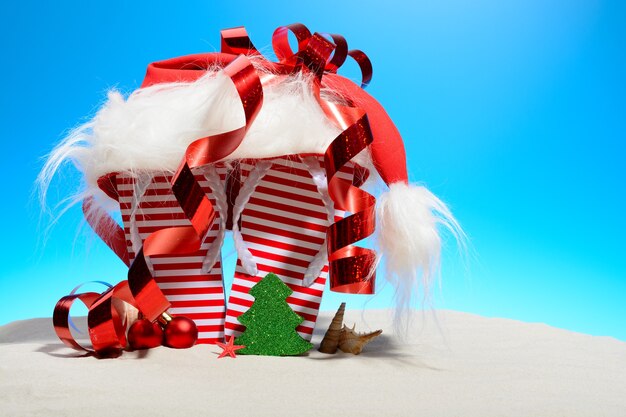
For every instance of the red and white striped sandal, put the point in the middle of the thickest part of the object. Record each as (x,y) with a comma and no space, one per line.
(284,211)
(192,283)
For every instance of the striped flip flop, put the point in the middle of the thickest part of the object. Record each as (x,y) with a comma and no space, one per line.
(284,211)
(192,283)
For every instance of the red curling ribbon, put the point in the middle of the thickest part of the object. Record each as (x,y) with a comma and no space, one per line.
(365,64)
(106,328)
(75,290)
(192,199)
(61,317)
(351,267)
(237,42)
(280,41)
(316,55)
(340,54)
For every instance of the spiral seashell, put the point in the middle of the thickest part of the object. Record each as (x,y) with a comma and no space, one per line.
(330,342)
(353,342)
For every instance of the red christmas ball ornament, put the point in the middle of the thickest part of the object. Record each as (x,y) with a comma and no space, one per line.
(143,334)
(180,333)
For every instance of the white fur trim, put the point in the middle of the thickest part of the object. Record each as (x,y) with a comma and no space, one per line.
(408,236)
(151,129)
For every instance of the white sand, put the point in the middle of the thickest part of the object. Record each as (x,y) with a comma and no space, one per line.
(471,366)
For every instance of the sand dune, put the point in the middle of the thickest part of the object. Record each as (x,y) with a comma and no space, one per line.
(466,366)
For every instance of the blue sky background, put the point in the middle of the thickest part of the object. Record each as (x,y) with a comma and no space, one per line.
(513,112)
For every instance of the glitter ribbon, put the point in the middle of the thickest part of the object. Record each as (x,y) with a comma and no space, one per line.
(106,328)
(236,41)
(192,199)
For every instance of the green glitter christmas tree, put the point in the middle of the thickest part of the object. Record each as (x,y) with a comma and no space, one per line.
(270,322)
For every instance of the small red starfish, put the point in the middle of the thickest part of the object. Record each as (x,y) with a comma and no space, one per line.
(229,348)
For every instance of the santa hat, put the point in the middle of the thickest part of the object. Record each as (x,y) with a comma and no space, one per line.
(184,98)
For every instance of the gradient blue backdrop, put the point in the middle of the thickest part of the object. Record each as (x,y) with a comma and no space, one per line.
(513,112)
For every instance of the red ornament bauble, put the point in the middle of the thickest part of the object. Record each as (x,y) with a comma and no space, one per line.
(180,333)
(143,334)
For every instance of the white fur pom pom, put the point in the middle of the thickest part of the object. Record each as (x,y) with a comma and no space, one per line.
(408,236)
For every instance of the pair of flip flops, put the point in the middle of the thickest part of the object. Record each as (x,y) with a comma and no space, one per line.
(280,216)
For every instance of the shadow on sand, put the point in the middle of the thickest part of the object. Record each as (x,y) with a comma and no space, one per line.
(59,350)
